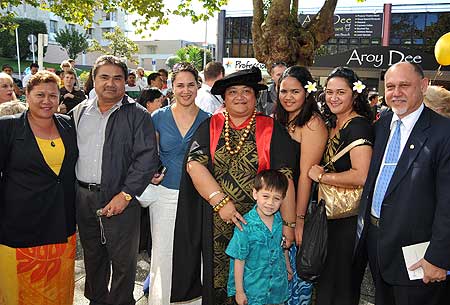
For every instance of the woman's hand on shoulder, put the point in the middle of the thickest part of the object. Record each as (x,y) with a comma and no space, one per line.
(230,215)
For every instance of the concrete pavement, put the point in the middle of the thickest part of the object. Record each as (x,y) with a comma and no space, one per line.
(143,266)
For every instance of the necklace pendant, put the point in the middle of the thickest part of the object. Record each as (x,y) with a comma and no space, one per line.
(52,144)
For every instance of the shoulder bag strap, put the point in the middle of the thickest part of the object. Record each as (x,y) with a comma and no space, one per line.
(347,149)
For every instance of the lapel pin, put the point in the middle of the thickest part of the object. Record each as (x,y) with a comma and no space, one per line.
(411,146)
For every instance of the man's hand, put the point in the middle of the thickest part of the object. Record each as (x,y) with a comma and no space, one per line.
(69,95)
(115,206)
(431,273)
(157,178)
(241,298)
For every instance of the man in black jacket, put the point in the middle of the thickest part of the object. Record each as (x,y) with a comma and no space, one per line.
(117,159)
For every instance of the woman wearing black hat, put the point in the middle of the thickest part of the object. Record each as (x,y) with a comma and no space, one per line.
(226,153)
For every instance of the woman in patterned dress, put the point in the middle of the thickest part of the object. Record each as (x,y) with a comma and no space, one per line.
(37,211)
(349,119)
(226,153)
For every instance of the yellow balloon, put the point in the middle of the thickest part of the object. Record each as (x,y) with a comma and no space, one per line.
(442,50)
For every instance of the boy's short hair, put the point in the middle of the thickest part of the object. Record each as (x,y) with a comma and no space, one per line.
(271,180)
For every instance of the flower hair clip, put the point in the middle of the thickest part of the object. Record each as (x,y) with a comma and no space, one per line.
(311,87)
(358,86)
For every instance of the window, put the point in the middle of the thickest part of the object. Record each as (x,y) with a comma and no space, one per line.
(150,49)
(106,30)
(89,32)
(53,26)
(110,16)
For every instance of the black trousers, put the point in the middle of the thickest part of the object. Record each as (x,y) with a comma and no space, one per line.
(118,253)
(386,294)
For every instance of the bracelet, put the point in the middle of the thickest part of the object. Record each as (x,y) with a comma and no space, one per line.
(211,196)
(221,203)
(301,216)
(319,177)
(289,224)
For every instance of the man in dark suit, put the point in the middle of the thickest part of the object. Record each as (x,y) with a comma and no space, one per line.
(406,198)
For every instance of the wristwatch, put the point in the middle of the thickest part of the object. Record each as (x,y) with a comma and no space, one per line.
(127,196)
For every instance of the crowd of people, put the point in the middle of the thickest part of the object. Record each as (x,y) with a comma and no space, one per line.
(214,180)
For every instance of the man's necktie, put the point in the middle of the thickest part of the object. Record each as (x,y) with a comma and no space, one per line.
(390,162)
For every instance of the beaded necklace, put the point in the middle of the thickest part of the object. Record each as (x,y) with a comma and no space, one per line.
(242,139)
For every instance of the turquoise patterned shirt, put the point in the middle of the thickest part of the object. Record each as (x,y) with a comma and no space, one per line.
(265,273)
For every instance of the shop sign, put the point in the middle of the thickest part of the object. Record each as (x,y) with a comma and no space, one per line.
(377,57)
(233,64)
(352,25)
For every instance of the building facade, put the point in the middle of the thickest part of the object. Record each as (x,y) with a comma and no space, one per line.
(363,40)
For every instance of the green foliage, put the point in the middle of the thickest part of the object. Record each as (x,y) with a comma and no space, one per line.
(194,55)
(152,13)
(171,61)
(25,27)
(72,41)
(120,45)
(83,76)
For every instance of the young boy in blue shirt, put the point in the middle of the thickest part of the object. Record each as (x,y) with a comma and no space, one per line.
(259,265)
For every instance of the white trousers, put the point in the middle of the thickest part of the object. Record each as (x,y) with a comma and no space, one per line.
(162,225)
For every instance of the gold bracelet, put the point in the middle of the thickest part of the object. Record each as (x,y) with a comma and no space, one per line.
(289,224)
(211,196)
(319,177)
(301,216)
(221,204)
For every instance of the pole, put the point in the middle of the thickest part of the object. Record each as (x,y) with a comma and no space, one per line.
(18,53)
(205,46)
(41,51)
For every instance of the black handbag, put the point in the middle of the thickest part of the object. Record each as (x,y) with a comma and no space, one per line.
(312,253)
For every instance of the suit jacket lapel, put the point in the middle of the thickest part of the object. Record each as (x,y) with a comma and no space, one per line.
(412,148)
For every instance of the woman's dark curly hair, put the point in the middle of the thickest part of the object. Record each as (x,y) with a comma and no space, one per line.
(360,104)
(309,107)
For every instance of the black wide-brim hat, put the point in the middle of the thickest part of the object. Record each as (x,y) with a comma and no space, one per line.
(248,77)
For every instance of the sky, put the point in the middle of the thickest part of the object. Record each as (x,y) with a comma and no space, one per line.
(182,28)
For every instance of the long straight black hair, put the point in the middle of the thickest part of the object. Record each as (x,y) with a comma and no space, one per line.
(309,108)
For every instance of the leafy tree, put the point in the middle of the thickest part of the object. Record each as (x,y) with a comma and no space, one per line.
(152,13)
(194,55)
(72,41)
(25,28)
(120,45)
(277,34)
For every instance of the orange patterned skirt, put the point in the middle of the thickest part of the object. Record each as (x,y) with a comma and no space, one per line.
(42,275)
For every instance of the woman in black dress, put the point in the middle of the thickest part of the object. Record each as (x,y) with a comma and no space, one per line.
(349,119)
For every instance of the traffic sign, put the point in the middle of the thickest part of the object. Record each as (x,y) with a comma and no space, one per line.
(32,39)
(33,47)
(153,61)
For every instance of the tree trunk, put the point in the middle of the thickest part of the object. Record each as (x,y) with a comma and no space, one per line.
(280,37)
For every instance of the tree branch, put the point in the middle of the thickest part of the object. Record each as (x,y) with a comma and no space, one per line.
(322,24)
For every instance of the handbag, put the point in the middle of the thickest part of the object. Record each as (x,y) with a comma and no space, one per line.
(341,202)
(311,255)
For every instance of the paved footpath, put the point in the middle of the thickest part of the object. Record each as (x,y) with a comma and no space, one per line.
(143,266)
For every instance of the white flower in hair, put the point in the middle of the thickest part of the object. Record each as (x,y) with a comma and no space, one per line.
(358,86)
(311,87)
